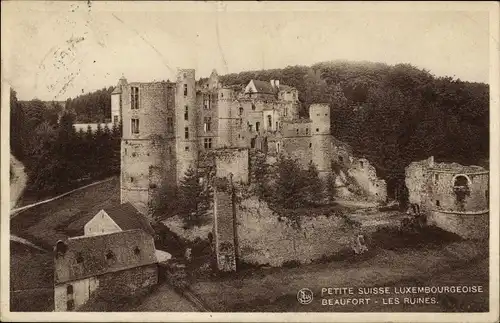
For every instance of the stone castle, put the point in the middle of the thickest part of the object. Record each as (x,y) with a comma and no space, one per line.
(168,126)
(171,126)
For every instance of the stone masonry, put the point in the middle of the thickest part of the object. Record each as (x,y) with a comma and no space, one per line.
(454,197)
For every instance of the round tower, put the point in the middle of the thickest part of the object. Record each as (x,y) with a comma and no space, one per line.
(227,118)
(186,121)
(321,145)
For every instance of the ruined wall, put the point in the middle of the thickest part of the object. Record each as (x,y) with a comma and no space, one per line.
(416,178)
(366,177)
(296,141)
(264,239)
(468,226)
(225,248)
(234,161)
(454,197)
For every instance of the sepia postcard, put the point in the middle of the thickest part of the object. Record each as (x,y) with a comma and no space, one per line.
(250,161)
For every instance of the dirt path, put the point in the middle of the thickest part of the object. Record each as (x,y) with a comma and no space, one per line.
(25,242)
(18,182)
(16,211)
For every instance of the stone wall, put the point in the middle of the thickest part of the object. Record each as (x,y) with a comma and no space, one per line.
(298,148)
(366,177)
(234,161)
(469,225)
(462,209)
(264,239)
(225,248)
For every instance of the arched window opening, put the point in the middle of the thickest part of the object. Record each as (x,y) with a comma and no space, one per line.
(461,188)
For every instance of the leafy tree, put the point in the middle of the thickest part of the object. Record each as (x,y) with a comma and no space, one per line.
(315,187)
(194,197)
(290,184)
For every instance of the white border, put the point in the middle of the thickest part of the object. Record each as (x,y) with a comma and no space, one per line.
(492,316)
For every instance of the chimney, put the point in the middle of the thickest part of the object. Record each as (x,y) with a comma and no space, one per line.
(277,83)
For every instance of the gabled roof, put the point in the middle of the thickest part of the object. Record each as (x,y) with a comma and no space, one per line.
(263,87)
(89,256)
(128,218)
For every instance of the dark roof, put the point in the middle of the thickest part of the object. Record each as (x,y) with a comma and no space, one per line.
(90,256)
(263,87)
(128,218)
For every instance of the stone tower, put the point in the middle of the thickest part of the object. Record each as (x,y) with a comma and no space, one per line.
(186,117)
(226,118)
(146,107)
(321,140)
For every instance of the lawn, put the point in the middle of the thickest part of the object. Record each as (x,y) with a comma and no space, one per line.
(45,224)
(275,289)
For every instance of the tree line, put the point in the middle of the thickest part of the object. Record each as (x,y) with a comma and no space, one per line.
(93,107)
(392,115)
(55,156)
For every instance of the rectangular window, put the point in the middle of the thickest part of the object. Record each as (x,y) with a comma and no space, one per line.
(436,177)
(207,143)
(115,119)
(134,97)
(206,102)
(185,90)
(276,125)
(186,113)
(135,126)
(250,128)
(170,125)
(438,203)
(307,131)
(186,132)
(257,126)
(286,111)
(208,124)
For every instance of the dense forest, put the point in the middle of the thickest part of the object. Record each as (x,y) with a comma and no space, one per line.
(55,156)
(392,115)
(93,107)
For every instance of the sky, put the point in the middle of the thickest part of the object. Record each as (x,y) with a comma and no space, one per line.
(57,50)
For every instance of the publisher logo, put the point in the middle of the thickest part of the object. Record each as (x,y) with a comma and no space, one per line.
(305,296)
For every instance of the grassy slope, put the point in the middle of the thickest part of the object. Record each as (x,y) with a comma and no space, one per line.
(31,271)
(31,277)
(47,223)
